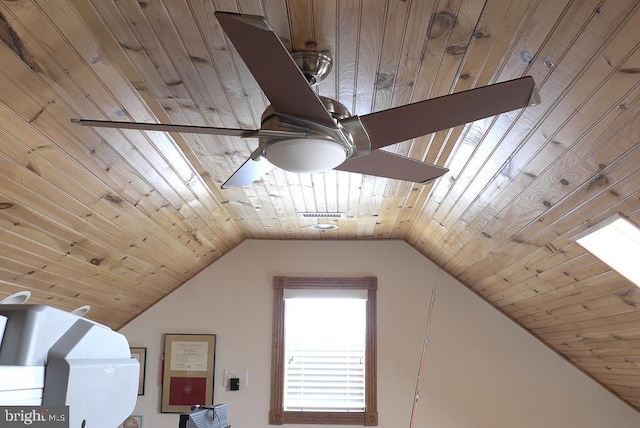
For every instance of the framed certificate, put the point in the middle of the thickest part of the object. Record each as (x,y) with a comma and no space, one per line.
(188,369)
(140,354)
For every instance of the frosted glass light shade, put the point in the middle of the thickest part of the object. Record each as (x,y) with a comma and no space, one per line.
(307,156)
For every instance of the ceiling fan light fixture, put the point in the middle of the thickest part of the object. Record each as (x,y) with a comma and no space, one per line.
(306,155)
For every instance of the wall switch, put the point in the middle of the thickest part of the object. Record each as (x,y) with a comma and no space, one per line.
(234,384)
(241,374)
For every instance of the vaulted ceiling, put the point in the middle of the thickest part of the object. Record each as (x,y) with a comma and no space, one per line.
(118,219)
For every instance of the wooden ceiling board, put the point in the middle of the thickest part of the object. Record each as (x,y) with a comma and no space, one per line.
(118,219)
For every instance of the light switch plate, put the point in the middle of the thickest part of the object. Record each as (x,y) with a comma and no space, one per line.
(241,374)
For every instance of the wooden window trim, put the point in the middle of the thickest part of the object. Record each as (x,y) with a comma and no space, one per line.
(277,415)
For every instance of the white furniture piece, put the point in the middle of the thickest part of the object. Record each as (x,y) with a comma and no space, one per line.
(51,357)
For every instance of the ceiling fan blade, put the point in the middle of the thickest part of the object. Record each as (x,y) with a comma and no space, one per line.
(273,68)
(384,164)
(249,172)
(425,117)
(245,133)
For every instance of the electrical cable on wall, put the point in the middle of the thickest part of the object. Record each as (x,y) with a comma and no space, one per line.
(416,395)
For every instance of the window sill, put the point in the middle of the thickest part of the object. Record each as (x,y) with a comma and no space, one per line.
(324,418)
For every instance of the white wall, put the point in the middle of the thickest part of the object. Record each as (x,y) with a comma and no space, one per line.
(481,369)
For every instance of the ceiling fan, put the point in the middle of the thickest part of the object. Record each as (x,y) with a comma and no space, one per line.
(306,133)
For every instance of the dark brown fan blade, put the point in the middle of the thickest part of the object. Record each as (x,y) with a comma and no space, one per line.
(273,68)
(189,129)
(384,164)
(414,120)
(249,172)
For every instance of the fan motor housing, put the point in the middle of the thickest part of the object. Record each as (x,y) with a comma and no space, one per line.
(314,65)
(337,111)
(323,148)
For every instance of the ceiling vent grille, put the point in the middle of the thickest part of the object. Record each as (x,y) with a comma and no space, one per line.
(321,215)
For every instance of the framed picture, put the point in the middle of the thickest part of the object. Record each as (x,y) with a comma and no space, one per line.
(188,368)
(140,354)
(133,421)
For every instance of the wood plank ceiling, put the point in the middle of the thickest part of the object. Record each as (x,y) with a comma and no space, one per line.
(117,219)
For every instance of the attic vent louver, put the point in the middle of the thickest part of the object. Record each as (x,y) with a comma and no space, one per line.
(321,215)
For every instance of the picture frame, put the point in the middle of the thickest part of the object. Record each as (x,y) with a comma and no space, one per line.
(140,354)
(188,369)
(133,421)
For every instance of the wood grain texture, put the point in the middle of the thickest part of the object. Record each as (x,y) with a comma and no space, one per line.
(117,219)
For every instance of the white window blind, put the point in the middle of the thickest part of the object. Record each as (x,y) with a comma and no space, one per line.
(324,352)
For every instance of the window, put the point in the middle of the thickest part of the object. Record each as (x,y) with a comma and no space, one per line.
(324,351)
(615,241)
(325,370)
